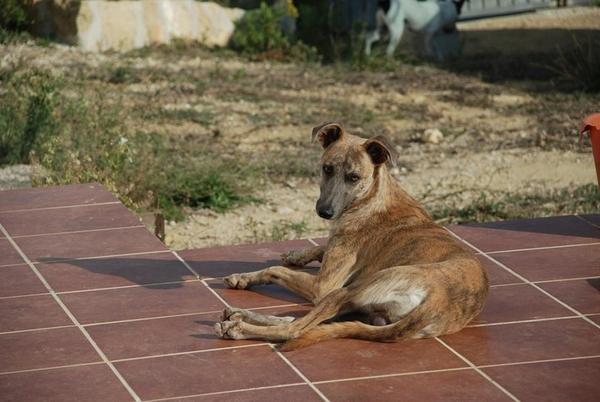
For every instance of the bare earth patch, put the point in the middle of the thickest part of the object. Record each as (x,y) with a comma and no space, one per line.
(510,135)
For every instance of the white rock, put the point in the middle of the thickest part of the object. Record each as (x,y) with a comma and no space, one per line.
(98,25)
(432,136)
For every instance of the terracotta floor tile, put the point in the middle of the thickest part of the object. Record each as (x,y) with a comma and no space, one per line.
(223,261)
(571,380)
(114,271)
(90,244)
(527,341)
(59,196)
(19,280)
(541,232)
(141,302)
(169,335)
(558,263)
(595,318)
(348,358)
(160,336)
(67,219)
(583,295)
(496,274)
(45,348)
(206,372)
(290,393)
(518,302)
(8,254)
(84,383)
(459,386)
(257,296)
(30,312)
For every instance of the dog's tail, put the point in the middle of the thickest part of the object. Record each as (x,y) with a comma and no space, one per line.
(403,329)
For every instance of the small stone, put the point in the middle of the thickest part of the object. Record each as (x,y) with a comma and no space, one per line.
(285,210)
(432,136)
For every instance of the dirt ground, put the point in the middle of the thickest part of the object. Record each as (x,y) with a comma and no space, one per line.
(502,132)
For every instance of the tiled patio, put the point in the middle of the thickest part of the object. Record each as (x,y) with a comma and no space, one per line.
(94,307)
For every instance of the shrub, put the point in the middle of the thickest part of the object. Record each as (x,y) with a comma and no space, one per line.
(13,15)
(27,115)
(260,34)
(579,65)
(80,141)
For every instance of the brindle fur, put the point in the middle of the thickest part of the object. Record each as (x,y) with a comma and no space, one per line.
(387,265)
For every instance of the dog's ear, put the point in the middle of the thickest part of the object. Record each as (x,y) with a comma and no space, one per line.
(381,150)
(327,133)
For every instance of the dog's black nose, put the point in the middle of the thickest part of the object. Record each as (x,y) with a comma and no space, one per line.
(325,213)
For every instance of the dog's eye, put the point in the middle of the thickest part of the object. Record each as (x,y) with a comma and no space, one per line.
(328,170)
(352,177)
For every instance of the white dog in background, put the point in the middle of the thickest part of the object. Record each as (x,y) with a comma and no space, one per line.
(430,18)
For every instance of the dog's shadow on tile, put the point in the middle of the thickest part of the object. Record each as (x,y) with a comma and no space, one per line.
(152,273)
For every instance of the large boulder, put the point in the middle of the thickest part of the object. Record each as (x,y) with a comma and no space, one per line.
(98,25)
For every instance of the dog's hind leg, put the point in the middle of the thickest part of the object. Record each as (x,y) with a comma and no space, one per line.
(330,306)
(371,37)
(408,327)
(396,28)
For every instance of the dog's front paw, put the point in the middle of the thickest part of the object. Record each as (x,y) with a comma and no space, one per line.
(294,257)
(229,330)
(236,281)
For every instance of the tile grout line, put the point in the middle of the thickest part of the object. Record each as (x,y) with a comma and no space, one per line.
(98,257)
(61,207)
(581,218)
(521,277)
(517,250)
(70,315)
(189,352)
(95,324)
(198,279)
(477,369)
(11,265)
(186,265)
(495,324)
(145,285)
(51,368)
(78,231)
(311,241)
(285,359)
(20,331)
(408,373)
(25,295)
(375,377)
(227,392)
(299,373)
(559,359)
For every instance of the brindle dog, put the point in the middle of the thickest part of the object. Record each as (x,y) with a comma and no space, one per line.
(386,264)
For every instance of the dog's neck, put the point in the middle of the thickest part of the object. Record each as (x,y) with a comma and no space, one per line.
(385,203)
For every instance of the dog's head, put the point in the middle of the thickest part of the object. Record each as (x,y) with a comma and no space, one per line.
(349,167)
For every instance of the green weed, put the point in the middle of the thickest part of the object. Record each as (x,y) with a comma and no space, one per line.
(487,207)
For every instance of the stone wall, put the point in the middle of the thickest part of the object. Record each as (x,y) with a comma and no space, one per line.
(98,25)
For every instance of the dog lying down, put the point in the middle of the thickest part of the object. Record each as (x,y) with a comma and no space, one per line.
(388,271)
